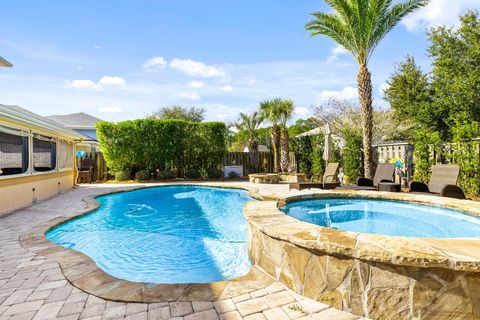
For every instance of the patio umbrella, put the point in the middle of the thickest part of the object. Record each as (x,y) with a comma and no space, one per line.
(5,63)
(327,150)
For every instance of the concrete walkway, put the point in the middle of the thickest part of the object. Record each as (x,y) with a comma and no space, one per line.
(32,287)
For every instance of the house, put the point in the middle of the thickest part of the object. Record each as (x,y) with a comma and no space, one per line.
(82,123)
(37,158)
(261,148)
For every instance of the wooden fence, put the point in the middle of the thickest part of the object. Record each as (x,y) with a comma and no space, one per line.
(100,170)
(246,159)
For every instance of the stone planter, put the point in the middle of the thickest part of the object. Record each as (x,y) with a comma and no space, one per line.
(293,177)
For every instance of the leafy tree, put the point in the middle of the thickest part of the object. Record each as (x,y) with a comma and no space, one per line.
(248,125)
(432,101)
(302,125)
(192,114)
(359,26)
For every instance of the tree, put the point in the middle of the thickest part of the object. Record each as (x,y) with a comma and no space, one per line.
(192,114)
(271,111)
(248,126)
(359,26)
(431,102)
(287,107)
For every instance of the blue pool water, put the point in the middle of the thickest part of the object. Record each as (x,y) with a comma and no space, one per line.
(175,234)
(393,218)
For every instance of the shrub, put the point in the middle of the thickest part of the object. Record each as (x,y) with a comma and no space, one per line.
(316,156)
(167,174)
(465,154)
(233,175)
(425,143)
(163,144)
(352,154)
(123,175)
(143,175)
(215,173)
(192,174)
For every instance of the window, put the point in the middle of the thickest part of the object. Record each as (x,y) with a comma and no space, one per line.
(65,155)
(13,152)
(44,154)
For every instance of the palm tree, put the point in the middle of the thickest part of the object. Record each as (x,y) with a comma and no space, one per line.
(271,111)
(286,112)
(248,125)
(359,26)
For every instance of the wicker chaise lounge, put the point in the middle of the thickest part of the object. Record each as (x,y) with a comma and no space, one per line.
(327,182)
(383,173)
(443,182)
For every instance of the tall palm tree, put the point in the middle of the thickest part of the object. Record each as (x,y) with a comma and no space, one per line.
(286,112)
(359,26)
(271,111)
(248,125)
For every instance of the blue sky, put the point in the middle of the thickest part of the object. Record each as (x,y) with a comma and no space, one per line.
(123,59)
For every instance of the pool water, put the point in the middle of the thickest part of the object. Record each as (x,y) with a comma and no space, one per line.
(393,218)
(175,234)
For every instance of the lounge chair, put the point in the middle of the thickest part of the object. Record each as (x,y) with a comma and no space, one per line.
(327,182)
(383,173)
(443,182)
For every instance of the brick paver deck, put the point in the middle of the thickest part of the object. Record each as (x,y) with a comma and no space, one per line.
(33,287)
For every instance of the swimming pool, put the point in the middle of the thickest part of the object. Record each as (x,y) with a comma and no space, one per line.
(393,218)
(174,234)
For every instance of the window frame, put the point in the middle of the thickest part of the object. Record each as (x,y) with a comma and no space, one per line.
(24,134)
(32,164)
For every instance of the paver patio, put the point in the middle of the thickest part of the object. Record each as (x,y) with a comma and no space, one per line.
(33,287)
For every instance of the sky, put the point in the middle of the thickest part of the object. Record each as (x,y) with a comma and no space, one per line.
(124,59)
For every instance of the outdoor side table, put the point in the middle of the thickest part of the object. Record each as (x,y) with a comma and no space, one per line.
(389,186)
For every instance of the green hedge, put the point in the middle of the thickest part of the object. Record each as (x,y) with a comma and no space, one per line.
(152,144)
(352,157)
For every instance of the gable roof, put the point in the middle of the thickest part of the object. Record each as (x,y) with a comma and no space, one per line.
(79,120)
(23,116)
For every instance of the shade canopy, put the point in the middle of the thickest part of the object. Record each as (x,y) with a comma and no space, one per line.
(5,63)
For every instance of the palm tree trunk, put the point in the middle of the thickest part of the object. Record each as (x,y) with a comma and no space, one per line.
(365,95)
(254,156)
(284,159)
(275,144)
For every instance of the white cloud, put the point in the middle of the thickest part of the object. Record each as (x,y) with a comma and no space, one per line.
(335,52)
(302,112)
(438,12)
(110,110)
(196,68)
(155,62)
(346,93)
(228,88)
(189,95)
(82,84)
(105,81)
(195,84)
(112,81)
(384,86)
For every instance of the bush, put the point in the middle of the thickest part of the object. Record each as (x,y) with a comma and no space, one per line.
(143,175)
(316,156)
(215,173)
(123,175)
(167,174)
(352,154)
(425,143)
(163,144)
(465,153)
(233,175)
(192,174)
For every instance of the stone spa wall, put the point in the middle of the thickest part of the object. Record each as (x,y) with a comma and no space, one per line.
(373,276)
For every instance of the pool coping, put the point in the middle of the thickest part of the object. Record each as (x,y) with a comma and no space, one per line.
(82,272)
(459,254)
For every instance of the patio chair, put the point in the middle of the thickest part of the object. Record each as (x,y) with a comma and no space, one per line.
(443,182)
(328,180)
(383,173)
(85,170)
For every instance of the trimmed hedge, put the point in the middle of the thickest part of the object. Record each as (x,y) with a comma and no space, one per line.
(151,144)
